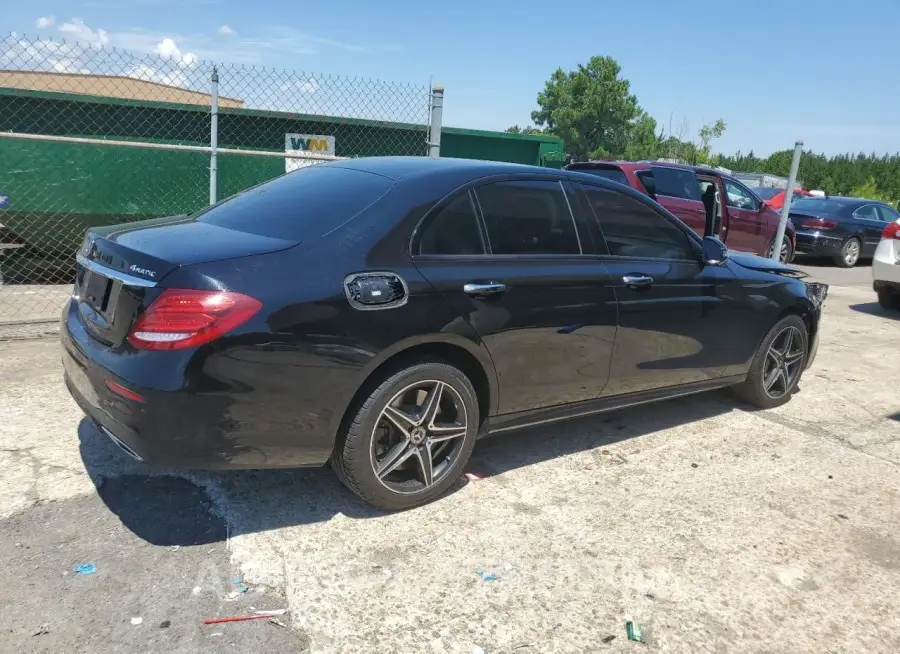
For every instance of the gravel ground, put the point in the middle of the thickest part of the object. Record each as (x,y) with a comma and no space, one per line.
(715,527)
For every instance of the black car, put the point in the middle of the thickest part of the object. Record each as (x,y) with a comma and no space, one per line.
(383,313)
(844,229)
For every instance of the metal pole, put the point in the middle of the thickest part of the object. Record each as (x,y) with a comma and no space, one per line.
(437,112)
(214,138)
(788,196)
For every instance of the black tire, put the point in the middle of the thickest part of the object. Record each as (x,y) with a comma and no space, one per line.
(753,391)
(844,259)
(787,256)
(353,459)
(889,301)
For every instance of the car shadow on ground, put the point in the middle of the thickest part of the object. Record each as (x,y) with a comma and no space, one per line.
(875,309)
(166,507)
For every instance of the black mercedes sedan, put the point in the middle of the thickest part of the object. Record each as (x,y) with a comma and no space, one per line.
(843,229)
(381,314)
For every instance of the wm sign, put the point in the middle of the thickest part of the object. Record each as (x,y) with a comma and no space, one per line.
(308,143)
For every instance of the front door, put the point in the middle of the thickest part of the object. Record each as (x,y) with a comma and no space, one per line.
(676,315)
(545,311)
(748,229)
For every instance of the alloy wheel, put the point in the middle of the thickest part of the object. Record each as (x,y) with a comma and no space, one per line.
(851,252)
(785,250)
(784,362)
(418,436)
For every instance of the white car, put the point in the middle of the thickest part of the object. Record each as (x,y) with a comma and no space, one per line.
(886,267)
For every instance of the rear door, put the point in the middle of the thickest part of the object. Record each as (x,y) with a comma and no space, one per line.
(748,229)
(508,254)
(678,190)
(676,316)
(871,226)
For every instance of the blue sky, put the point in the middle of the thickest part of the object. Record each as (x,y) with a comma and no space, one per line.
(825,71)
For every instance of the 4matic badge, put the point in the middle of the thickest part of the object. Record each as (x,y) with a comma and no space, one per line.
(143,271)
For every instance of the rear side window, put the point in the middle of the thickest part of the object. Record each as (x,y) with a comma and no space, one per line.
(888,215)
(867,212)
(453,229)
(527,217)
(614,174)
(632,229)
(676,183)
(300,206)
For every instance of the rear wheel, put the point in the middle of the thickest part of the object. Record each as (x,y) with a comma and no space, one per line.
(786,255)
(777,366)
(849,254)
(410,437)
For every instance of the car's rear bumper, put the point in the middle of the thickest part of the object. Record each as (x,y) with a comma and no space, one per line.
(818,244)
(886,264)
(182,429)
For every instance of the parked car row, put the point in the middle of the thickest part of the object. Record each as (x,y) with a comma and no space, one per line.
(380,314)
(709,201)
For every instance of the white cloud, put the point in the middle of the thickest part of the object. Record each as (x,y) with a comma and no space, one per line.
(227,31)
(84,34)
(168,49)
(304,85)
(44,22)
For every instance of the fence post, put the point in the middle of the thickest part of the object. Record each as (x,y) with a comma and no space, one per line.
(437,113)
(214,137)
(788,196)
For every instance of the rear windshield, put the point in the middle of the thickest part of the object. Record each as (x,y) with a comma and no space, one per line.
(300,206)
(818,205)
(614,174)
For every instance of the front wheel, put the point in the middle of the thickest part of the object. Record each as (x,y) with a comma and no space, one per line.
(777,366)
(410,437)
(889,301)
(849,254)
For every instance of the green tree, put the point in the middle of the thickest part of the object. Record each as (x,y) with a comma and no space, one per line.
(707,134)
(870,191)
(515,129)
(592,109)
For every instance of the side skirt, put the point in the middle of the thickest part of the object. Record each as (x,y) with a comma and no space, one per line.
(535,417)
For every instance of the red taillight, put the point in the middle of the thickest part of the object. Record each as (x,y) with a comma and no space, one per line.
(120,390)
(891,231)
(819,223)
(183,318)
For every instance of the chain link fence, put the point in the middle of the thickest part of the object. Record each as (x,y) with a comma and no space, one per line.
(94,135)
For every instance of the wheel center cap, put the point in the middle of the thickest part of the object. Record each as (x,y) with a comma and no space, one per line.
(417,435)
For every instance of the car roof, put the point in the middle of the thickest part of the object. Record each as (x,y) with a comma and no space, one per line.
(850,201)
(397,168)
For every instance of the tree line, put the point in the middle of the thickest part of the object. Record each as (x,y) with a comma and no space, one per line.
(594,112)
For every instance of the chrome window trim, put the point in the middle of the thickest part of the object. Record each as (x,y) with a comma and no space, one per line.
(124,278)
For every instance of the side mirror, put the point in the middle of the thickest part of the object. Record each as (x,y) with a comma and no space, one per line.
(714,251)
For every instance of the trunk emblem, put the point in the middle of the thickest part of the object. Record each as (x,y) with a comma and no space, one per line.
(143,271)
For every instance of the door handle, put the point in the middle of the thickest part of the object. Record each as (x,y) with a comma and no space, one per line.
(638,281)
(483,289)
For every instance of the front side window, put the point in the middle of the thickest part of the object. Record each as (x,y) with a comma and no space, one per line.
(632,229)
(676,183)
(740,197)
(453,229)
(527,217)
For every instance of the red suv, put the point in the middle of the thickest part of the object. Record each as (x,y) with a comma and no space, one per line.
(695,195)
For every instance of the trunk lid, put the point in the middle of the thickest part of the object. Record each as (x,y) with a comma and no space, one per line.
(121,266)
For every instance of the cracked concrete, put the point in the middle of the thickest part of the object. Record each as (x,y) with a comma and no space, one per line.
(716,527)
